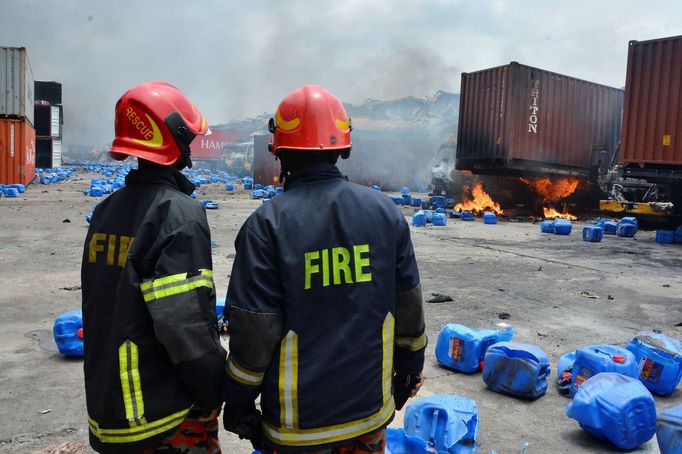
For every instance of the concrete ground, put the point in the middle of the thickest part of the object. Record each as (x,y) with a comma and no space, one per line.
(487,269)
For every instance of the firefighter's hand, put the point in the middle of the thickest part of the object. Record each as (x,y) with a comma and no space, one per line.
(405,386)
(418,385)
(244,421)
(209,415)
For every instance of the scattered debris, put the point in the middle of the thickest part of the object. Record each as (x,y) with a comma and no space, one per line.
(66,221)
(540,268)
(504,315)
(587,294)
(439,298)
(542,335)
(666,285)
(44,412)
(500,290)
(610,297)
(71,289)
(678,324)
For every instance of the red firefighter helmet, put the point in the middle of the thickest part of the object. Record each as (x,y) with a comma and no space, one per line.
(157,122)
(310,118)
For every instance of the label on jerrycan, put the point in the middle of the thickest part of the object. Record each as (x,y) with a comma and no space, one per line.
(650,370)
(456,348)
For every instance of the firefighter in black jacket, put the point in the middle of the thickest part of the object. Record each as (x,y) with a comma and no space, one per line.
(154,366)
(326,310)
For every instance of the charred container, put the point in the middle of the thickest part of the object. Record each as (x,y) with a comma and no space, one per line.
(266,169)
(518,120)
(652,115)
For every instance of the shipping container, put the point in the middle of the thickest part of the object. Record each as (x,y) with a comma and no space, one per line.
(16,84)
(17,151)
(210,147)
(47,120)
(652,115)
(517,120)
(48,91)
(266,169)
(48,152)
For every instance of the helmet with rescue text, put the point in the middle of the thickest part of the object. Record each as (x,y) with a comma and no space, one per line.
(156,122)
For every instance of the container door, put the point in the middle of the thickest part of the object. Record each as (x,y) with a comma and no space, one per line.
(56,153)
(54,122)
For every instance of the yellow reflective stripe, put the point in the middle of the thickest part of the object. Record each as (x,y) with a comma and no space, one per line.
(387,357)
(176,289)
(330,434)
(131,386)
(288,381)
(146,286)
(141,432)
(242,374)
(412,343)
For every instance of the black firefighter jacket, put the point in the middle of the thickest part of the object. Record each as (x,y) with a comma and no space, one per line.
(152,352)
(325,304)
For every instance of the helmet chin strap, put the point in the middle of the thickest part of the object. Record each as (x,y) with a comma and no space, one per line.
(183,138)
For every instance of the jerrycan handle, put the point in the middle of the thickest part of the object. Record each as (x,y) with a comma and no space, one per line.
(434,426)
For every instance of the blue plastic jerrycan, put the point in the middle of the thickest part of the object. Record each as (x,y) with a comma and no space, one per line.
(398,442)
(592,360)
(678,234)
(615,407)
(68,333)
(665,236)
(626,230)
(463,349)
(516,369)
(547,226)
(439,219)
(229,187)
(659,360)
(669,430)
(564,373)
(419,219)
(562,227)
(592,233)
(417,203)
(448,423)
(489,218)
(610,227)
(630,220)
(467,216)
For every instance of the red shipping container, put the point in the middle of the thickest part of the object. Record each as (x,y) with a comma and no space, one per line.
(652,115)
(17,152)
(516,119)
(209,148)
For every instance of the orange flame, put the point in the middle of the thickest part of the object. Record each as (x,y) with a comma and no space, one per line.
(551,213)
(553,191)
(479,201)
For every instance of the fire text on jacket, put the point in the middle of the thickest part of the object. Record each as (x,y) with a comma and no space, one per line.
(113,247)
(337,265)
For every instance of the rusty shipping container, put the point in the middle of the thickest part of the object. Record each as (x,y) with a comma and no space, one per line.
(652,116)
(519,120)
(266,169)
(16,84)
(17,151)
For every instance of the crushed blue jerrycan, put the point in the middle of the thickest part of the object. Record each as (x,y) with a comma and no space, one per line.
(615,407)
(438,201)
(398,442)
(440,210)
(630,220)
(406,199)
(10,192)
(610,227)
(210,204)
(516,369)
(592,233)
(678,234)
(439,219)
(417,203)
(398,200)
(562,227)
(489,218)
(659,359)
(419,219)
(453,214)
(592,360)
(68,333)
(626,230)
(258,186)
(564,373)
(547,226)
(376,187)
(19,187)
(463,349)
(258,194)
(466,216)
(665,236)
(429,216)
(229,187)
(405,190)
(96,191)
(669,430)
(248,186)
(448,423)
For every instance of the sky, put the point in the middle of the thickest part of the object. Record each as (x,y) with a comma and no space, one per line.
(238,59)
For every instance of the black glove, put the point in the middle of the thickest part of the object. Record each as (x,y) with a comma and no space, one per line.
(244,421)
(403,384)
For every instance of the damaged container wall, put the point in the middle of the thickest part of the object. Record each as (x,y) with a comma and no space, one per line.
(516,119)
(48,91)
(47,120)
(17,151)
(266,169)
(16,84)
(652,115)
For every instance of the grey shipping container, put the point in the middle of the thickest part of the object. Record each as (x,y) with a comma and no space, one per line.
(520,120)
(652,116)
(16,84)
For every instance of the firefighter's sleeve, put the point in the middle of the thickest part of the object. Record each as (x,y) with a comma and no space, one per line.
(410,339)
(181,301)
(255,312)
